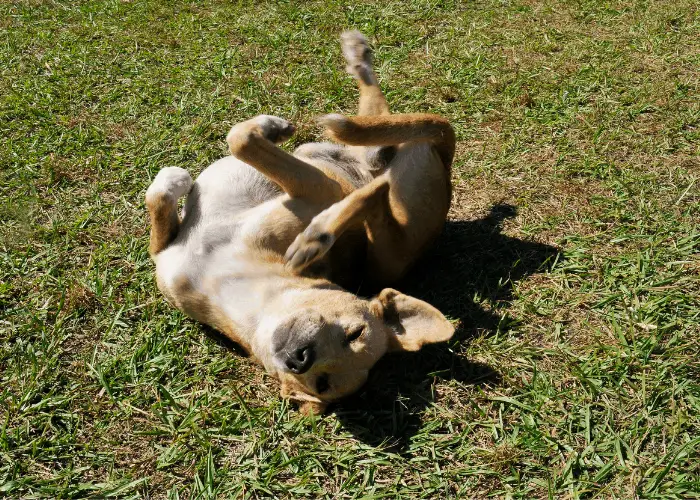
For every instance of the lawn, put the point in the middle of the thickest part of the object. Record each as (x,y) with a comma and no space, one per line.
(571,260)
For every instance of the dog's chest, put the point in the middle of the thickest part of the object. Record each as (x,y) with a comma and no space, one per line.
(243,294)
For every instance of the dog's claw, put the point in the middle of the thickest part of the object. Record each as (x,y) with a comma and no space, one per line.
(308,247)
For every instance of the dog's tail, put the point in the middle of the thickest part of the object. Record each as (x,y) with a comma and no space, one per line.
(387,130)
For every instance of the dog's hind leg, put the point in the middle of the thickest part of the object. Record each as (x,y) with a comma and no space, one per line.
(403,209)
(170,184)
(253,142)
(358,56)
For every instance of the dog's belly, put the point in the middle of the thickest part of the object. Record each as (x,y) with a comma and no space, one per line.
(226,188)
(335,158)
(235,218)
(212,239)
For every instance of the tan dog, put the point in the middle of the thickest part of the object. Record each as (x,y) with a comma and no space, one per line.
(267,239)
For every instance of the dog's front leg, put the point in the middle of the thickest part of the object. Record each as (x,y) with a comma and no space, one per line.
(253,142)
(171,184)
(367,202)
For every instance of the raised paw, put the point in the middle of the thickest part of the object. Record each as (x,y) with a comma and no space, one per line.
(308,247)
(274,128)
(337,126)
(174,182)
(358,55)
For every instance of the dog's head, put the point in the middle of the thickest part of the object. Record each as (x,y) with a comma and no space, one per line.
(324,347)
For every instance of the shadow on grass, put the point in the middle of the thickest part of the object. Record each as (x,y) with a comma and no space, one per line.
(471,258)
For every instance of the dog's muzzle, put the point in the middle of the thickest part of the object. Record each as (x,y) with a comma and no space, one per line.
(293,342)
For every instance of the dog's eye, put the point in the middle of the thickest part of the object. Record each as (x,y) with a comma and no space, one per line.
(322,384)
(355,334)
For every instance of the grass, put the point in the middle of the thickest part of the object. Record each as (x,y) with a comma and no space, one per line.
(571,258)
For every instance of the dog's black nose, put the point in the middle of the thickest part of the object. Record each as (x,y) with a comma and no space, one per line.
(300,360)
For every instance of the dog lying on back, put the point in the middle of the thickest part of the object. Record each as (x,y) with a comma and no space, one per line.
(269,242)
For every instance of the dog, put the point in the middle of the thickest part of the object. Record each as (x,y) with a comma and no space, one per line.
(269,242)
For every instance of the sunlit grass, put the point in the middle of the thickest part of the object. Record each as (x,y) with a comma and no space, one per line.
(571,257)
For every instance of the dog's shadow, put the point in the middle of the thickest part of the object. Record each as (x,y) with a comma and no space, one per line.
(471,259)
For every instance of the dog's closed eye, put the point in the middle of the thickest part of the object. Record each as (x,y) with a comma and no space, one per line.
(355,334)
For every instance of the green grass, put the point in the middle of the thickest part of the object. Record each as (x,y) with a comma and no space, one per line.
(571,258)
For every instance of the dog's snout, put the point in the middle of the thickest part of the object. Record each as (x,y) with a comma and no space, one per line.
(301,359)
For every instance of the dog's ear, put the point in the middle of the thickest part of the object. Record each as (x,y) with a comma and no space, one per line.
(307,403)
(411,323)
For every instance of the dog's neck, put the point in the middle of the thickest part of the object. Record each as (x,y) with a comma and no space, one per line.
(254,298)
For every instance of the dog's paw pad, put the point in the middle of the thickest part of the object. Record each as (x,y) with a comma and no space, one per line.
(174,182)
(308,247)
(355,48)
(274,128)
